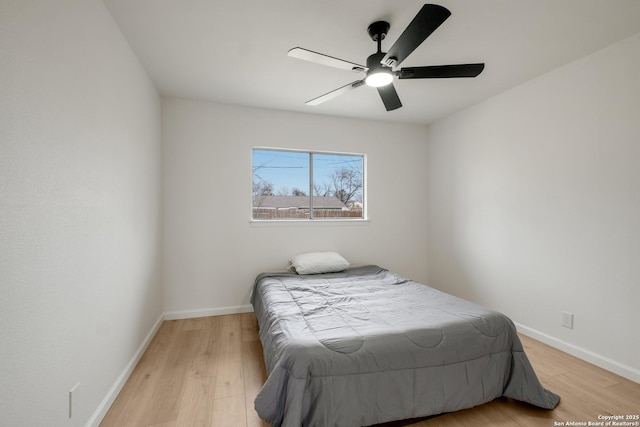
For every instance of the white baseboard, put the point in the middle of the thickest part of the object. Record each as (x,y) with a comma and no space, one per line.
(108,400)
(106,403)
(581,353)
(189,314)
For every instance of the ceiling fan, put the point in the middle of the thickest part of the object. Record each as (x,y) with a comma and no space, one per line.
(379,71)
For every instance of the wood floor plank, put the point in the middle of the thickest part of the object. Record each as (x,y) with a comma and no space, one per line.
(231,334)
(130,406)
(627,393)
(545,360)
(197,323)
(249,327)
(229,412)
(255,375)
(591,399)
(207,372)
(205,362)
(230,371)
(196,408)
(165,402)
(230,377)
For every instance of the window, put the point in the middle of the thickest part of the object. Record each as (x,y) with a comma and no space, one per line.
(293,185)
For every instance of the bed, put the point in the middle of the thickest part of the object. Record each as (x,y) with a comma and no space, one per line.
(366,346)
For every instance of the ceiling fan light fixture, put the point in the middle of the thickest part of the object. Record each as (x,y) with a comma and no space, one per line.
(379,77)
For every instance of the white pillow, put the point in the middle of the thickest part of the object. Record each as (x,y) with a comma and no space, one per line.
(318,262)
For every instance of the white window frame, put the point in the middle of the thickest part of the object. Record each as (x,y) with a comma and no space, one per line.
(365,216)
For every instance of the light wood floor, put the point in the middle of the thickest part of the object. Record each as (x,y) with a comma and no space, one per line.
(207,372)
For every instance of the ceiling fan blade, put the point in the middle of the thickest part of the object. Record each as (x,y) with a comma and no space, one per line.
(319,58)
(441,71)
(330,95)
(389,97)
(430,17)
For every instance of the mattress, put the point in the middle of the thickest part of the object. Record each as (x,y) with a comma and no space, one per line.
(366,346)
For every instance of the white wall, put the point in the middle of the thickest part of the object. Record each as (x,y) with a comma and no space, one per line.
(79,208)
(212,252)
(534,205)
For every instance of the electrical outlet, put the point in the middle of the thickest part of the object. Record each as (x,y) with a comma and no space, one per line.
(567,319)
(73,396)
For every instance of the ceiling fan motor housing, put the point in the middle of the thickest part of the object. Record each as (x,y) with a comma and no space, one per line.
(373,61)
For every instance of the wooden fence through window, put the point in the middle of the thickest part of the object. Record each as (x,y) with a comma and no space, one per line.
(262,213)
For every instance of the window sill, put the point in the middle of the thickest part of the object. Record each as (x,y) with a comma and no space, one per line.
(308,222)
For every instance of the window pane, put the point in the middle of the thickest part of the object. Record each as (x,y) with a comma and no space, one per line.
(280,184)
(283,182)
(338,186)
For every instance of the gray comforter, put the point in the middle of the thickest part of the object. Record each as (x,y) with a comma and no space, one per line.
(367,346)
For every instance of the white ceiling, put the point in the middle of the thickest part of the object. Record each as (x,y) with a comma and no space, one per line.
(235,51)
